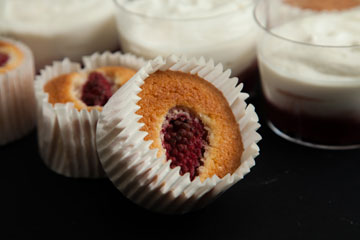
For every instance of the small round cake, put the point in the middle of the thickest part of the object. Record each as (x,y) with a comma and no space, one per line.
(324,5)
(283,11)
(190,120)
(69,101)
(177,135)
(17,101)
(88,90)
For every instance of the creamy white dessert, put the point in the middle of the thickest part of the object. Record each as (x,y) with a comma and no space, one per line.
(312,79)
(58,29)
(222,30)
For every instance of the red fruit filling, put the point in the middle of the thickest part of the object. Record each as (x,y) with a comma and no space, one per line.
(184,138)
(3,59)
(97,90)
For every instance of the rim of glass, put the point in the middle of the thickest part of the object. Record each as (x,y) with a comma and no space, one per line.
(119,5)
(258,22)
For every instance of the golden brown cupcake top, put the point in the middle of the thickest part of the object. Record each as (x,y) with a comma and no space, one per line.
(327,5)
(189,120)
(10,56)
(88,90)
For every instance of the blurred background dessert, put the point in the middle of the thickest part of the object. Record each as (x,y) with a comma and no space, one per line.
(283,10)
(222,30)
(17,100)
(58,29)
(323,5)
(310,72)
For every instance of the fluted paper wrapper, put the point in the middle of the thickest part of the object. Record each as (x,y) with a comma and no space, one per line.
(136,170)
(66,136)
(17,100)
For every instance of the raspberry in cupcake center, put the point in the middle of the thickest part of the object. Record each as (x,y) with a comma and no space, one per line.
(97,90)
(184,138)
(4,58)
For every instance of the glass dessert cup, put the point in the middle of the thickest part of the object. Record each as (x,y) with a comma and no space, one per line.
(311,91)
(228,38)
(58,29)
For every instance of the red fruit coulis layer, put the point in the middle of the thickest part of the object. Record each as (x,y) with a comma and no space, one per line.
(4,58)
(97,90)
(184,138)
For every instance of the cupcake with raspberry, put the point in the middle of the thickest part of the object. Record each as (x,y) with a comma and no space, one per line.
(17,100)
(69,101)
(177,135)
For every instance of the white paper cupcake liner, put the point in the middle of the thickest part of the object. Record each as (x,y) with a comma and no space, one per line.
(147,179)
(97,60)
(66,136)
(17,100)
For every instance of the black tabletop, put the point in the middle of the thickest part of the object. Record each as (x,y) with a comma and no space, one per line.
(293,192)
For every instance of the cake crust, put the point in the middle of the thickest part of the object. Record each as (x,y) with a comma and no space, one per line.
(164,90)
(68,87)
(120,75)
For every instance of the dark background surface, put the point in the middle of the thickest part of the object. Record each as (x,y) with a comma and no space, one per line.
(293,192)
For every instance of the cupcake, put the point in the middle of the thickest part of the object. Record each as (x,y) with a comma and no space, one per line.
(177,135)
(69,101)
(17,101)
